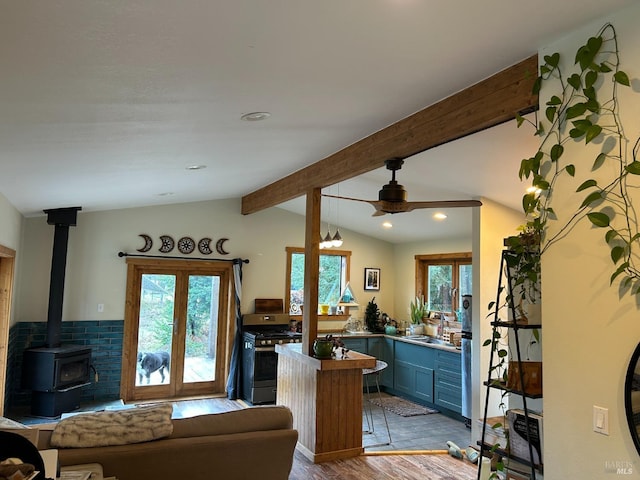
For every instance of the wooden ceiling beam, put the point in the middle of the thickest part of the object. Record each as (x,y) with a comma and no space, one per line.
(486,104)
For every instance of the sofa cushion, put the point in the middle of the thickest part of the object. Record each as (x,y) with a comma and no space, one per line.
(251,419)
(121,427)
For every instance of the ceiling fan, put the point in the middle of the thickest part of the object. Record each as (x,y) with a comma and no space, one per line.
(392,198)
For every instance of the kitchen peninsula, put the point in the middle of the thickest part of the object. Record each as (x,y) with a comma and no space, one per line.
(325,397)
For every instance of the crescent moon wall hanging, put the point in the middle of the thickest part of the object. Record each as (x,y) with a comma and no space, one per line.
(148,243)
(220,246)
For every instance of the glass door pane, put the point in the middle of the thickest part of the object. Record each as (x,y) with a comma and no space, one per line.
(202,329)
(155,329)
(439,282)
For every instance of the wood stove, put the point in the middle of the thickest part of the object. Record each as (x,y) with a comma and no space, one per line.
(55,372)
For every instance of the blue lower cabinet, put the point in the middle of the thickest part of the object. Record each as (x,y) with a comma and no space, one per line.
(448,381)
(423,384)
(413,374)
(356,344)
(382,349)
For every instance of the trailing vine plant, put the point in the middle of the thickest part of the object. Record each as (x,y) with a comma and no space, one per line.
(584,110)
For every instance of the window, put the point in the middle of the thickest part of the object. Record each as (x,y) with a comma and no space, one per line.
(443,279)
(334,275)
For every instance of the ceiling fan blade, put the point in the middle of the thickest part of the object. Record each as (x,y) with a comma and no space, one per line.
(442,204)
(378,205)
(348,198)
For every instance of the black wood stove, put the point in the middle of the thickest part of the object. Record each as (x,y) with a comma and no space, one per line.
(55,372)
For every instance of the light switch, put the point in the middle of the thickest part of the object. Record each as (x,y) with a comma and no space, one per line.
(100,307)
(601,420)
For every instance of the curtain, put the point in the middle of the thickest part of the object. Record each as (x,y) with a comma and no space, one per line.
(233,382)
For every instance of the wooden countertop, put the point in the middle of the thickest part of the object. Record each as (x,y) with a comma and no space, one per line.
(354,360)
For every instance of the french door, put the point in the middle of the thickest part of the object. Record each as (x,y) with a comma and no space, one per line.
(177,335)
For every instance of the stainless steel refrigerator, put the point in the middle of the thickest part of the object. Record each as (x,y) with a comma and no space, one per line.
(465,349)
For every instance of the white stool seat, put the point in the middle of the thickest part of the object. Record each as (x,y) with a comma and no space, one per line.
(380,365)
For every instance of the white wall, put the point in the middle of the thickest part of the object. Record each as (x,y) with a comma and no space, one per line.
(95,274)
(589,331)
(491,224)
(10,235)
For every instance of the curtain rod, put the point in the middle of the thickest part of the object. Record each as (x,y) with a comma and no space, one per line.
(234,260)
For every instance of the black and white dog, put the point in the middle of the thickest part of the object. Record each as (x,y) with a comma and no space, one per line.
(149,362)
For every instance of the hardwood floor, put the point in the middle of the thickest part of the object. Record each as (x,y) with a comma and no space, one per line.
(385,467)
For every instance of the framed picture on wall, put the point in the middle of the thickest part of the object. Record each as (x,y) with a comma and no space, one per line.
(372,279)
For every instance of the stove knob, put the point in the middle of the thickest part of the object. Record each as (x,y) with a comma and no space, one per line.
(263,342)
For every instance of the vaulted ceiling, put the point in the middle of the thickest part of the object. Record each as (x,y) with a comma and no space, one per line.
(106,104)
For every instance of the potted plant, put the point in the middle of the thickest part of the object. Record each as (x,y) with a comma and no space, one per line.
(372,317)
(418,311)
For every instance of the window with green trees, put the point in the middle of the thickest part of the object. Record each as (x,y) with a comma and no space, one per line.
(442,279)
(333,276)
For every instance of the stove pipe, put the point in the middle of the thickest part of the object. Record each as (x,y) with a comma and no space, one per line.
(62,218)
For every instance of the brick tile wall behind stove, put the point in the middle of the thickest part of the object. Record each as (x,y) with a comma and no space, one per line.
(105,339)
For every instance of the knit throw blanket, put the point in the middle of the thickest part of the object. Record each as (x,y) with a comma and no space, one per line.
(120,427)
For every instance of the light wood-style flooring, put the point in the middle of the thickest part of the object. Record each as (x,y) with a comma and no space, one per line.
(421,433)
(385,467)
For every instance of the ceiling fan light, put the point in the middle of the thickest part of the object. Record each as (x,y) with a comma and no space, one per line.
(337,239)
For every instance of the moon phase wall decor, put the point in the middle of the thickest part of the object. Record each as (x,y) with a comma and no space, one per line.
(204,246)
(167,244)
(186,245)
(148,243)
(220,246)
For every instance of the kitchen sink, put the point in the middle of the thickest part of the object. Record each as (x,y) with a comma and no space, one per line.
(427,339)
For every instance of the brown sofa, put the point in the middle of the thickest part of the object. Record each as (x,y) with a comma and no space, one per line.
(256,442)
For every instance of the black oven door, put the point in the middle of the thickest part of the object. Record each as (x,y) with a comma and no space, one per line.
(259,373)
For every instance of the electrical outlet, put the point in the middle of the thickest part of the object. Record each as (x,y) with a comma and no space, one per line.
(601,420)
(100,307)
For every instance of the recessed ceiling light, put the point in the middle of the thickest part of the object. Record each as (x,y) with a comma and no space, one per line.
(195,167)
(387,224)
(439,216)
(535,190)
(165,194)
(255,116)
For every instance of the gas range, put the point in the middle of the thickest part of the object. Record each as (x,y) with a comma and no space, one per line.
(272,337)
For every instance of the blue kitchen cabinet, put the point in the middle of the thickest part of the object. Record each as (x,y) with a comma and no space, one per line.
(382,349)
(356,344)
(413,371)
(448,381)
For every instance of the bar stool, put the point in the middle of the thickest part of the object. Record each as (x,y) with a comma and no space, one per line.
(368,414)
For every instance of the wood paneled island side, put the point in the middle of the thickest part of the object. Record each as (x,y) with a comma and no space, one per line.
(325,397)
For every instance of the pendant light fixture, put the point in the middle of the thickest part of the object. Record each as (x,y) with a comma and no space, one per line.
(336,241)
(328,241)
